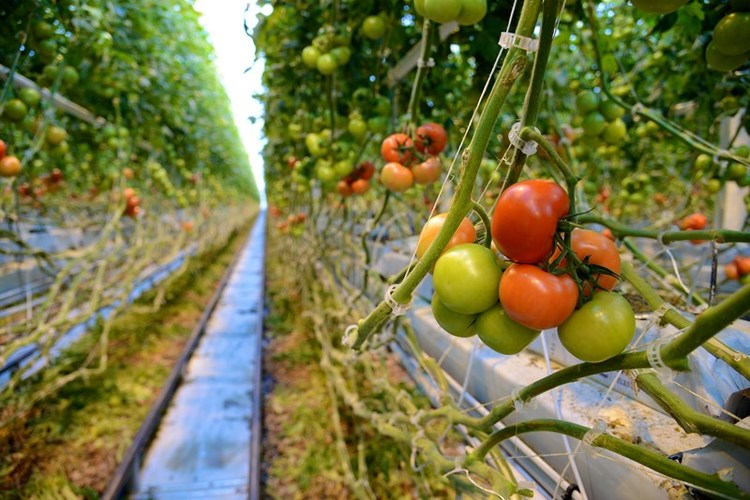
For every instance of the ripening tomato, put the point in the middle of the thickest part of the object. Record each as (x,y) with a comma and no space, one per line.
(466,277)
(535,298)
(397,148)
(10,166)
(343,188)
(460,325)
(396,177)
(428,171)
(743,264)
(502,334)
(366,170)
(525,220)
(607,232)
(464,234)
(431,138)
(599,330)
(3,149)
(694,222)
(596,248)
(360,186)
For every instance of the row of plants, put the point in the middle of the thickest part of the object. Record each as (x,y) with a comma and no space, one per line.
(560,162)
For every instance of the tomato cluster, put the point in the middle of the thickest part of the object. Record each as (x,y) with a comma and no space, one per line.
(328,52)
(738,269)
(600,121)
(357,182)
(413,161)
(132,203)
(10,166)
(465,12)
(730,47)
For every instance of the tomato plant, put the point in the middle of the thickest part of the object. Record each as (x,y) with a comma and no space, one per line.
(396,177)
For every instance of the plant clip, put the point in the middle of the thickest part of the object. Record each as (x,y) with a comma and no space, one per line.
(599,428)
(509,40)
(527,147)
(518,403)
(429,63)
(653,354)
(397,309)
(349,334)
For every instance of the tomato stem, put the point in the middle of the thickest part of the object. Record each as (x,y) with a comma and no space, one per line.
(482,213)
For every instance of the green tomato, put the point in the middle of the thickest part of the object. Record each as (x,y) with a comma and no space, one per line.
(342,55)
(615,132)
(732,34)
(326,64)
(713,186)
(377,125)
(611,111)
(310,55)
(460,325)
(373,27)
(587,101)
(42,29)
(442,11)
(658,6)
(502,334)
(29,96)
(357,127)
(594,124)
(599,330)
(419,7)
(703,162)
(325,173)
(15,110)
(467,278)
(736,171)
(743,150)
(55,135)
(343,168)
(70,76)
(472,11)
(717,60)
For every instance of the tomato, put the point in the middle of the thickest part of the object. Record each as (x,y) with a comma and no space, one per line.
(694,222)
(732,34)
(341,54)
(396,177)
(464,234)
(467,277)
(30,97)
(428,171)
(373,27)
(743,264)
(357,127)
(599,330)
(442,11)
(360,186)
(593,124)
(502,334)
(343,188)
(472,11)
(398,148)
(377,124)
(460,325)
(731,271)
(310,55)
(736,171)
(587,101)
(595,248)
(366,170)
(343,167)
(42,29)
(607,232)
(10,166)
(713,186)
(615,132)
(3,149)
(658,6)
(56,176)
(55,135)
(611,111)
(535,298)
(524,222)
(70,76)
(326,64)
(15,110)
(431,138)
(419,7)
(128,193)
(719,61)
(703,162)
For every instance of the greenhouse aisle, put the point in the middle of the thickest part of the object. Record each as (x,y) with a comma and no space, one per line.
(207,443)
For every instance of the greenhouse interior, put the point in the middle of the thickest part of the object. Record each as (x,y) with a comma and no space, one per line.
(360,249)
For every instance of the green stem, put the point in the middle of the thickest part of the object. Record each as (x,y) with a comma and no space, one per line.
(482,213)
(512,68)
(659,463)
(365,247)
(689,419)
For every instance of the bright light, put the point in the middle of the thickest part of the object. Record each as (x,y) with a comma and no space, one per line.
(238,70)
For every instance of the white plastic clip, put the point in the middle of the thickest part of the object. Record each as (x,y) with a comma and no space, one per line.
(599,428)
(349,334)
(508,40)
(518,403)
(429,63)
(653,354)
(397,309)
(527,147)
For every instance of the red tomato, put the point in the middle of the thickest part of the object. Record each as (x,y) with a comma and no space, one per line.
(464,234)
(3,149)
(396,177)
(595,248)
(431,138)
(397,148)
(360,186)
(694,222)
(743,264)
(428,171)
(525,220)
(535,298)
(343,188)
(366,170)
(731,271)
(608,233)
